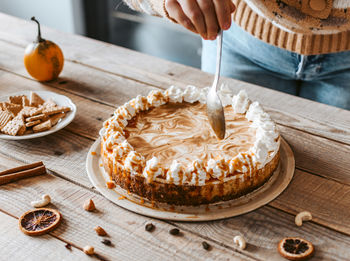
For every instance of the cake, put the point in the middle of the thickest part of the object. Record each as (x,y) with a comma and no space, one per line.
(161,147)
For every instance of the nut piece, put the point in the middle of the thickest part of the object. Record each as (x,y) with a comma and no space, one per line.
(174,231)
(110,185)
(302,216)
(149,227)
(89,250)
(205,245)
(107,242)
(89,205)
(240,241)
(100,231)
(45,200)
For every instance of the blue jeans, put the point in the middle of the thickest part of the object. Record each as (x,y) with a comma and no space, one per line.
(324,78)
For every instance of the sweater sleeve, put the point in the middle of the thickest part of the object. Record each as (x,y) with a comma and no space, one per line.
(151,7)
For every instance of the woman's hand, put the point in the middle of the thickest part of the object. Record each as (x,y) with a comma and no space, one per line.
(205,17)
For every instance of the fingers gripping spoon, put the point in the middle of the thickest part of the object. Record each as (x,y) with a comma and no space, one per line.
(215,110)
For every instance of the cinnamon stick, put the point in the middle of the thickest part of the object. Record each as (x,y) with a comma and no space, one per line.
(26,173)
(20,168)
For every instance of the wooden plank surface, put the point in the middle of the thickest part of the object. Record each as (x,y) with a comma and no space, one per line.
(71,150)
(62,152)
(262,228)
(90,115)
(81,80)
(71,166)
(126,229)
(313,153)
(326,121)
(98,77)
(319,155)
(327,200)
(17,246)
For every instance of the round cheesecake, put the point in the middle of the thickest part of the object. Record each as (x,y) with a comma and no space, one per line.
(162,148)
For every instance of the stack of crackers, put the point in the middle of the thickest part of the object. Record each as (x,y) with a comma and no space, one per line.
(22,115)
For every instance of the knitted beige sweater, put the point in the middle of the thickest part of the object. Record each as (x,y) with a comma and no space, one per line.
(302,26)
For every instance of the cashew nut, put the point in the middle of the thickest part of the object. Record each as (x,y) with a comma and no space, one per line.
(45,200)
(302,216)
(240,241)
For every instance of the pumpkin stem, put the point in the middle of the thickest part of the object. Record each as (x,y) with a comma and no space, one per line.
(39,39)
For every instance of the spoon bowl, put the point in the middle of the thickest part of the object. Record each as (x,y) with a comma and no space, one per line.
(216,114)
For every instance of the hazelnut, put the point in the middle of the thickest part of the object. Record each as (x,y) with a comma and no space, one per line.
(100,231)
(89,250)
(89,205)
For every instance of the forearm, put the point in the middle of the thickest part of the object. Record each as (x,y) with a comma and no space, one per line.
(151,7)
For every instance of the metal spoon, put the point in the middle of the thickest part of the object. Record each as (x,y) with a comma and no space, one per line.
(215,110)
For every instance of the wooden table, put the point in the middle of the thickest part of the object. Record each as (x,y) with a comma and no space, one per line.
(98,77)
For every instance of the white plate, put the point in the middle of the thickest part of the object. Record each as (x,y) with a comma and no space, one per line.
(60,100)
(260,197)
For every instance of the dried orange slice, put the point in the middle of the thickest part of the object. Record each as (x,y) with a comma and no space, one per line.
(294,248)
(39,221)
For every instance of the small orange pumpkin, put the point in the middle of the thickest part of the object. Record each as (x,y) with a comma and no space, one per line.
(43,59)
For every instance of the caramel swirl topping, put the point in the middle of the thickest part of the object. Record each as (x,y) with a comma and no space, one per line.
(181,131)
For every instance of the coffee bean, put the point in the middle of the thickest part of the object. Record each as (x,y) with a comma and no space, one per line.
(149,227)
(106,242)
(174,231)
(205,245)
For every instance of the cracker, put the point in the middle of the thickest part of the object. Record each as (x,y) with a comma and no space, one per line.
(5,117)
(56,118)
(19,119)
(14,108)
(49,103)
(15,126)
(3,105)
(28,131)
(42,117)
(25,101)
(55,110)
(35,100)
(16,99)
(22,130)
(31,111)
(46,125)
(32,123)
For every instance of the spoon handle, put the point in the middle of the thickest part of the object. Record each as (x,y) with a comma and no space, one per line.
(218,60)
